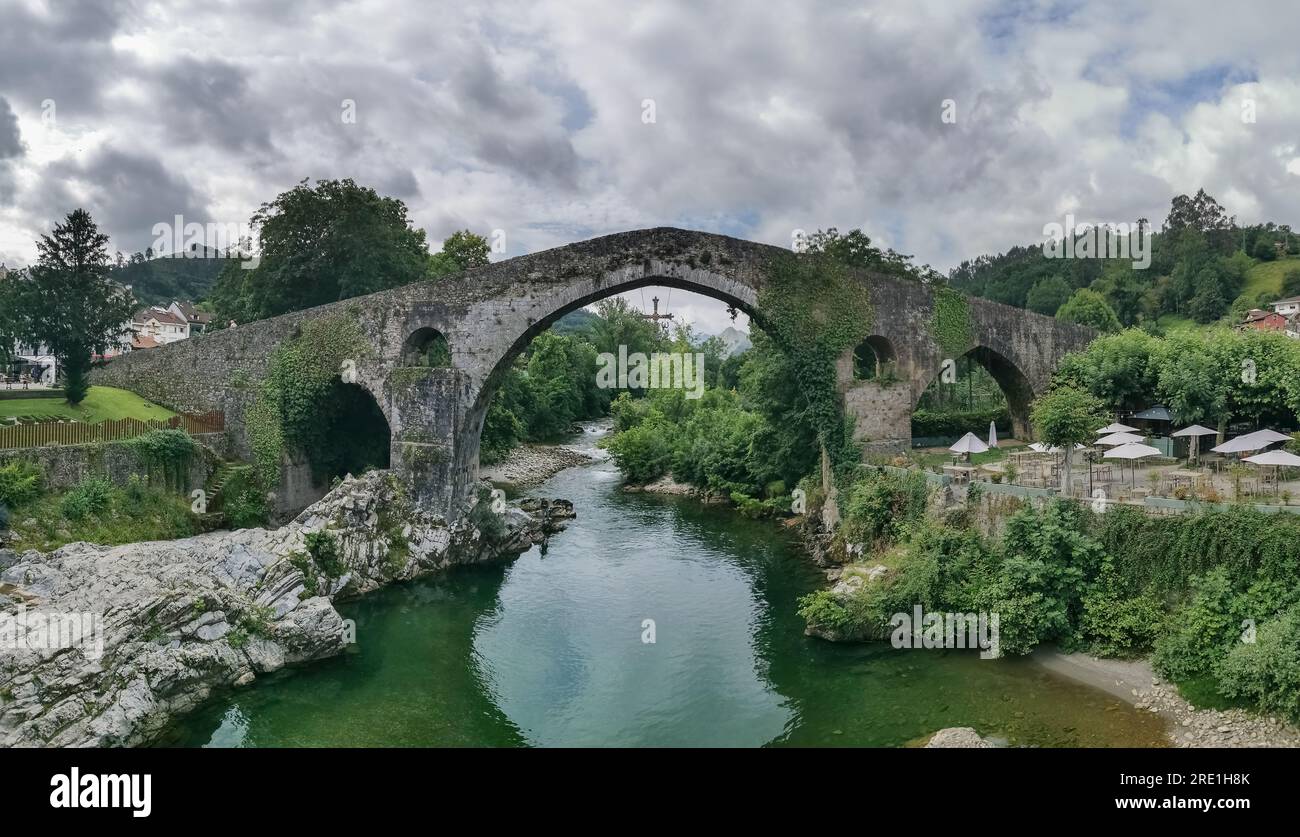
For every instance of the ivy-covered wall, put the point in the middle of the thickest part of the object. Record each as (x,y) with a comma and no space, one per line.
(66,465)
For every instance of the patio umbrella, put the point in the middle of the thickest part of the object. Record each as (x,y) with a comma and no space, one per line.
(1131,451)
(1116,439)
(1251,441)
(1278,459)
(1038,447)
(1196,431)
(1116,428)
(968,444)
(993,434)
(1156,413)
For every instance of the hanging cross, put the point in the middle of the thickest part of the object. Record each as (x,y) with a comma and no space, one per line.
(656,316)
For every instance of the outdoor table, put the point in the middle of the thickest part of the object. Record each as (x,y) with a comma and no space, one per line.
(960,473)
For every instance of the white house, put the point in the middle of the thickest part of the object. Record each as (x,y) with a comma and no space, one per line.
(1286,307)
(160,324)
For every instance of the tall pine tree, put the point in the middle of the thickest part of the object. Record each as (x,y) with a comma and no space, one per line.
(67,301)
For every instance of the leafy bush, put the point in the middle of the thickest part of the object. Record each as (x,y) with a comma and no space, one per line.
(243,503)
(1201,632)
(880,505)
(20,482)
(324,550)
(485,519)
(1115,625)
(4,517)
(823,609)
(958,422)
(1047,559)
(1267,671)
(644,452)
(91,496)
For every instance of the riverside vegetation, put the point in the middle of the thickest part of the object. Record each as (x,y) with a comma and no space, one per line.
(149,506)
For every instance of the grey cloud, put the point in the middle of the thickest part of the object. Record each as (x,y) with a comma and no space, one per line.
(11,141)
(65,55)
(127,193)
(208,102)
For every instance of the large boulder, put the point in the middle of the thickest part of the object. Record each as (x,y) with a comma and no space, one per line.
(167,623)
(957,737)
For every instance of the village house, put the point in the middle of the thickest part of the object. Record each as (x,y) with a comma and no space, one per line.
(1264,320)
(198,320)
(1288,307)
(160,324)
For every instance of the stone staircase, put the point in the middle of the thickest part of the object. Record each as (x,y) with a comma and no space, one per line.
(220,478)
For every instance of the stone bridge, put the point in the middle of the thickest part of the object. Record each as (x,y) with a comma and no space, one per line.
(490,314)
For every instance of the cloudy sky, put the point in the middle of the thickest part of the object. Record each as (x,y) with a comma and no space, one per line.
(556,120)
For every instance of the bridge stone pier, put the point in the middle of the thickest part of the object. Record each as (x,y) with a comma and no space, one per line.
(490,314)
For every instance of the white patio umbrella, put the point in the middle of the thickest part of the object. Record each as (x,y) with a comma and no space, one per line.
(1196,431)
(1116,428)
(993,434)
(1116,439)
(1277,458)
(968,444)
(1131,451)
(1038,447)
(1251,441)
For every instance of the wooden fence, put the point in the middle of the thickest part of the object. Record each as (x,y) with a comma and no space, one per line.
(44,433)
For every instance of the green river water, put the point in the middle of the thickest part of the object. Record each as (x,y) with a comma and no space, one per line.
(547,650)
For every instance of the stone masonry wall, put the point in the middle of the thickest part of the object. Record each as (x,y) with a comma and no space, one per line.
(490,314)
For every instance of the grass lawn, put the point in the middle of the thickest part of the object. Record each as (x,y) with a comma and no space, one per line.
(1267,276)
(938,457)
(1177,322)
(101,403)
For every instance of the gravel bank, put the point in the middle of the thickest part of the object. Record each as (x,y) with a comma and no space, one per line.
(1135,682)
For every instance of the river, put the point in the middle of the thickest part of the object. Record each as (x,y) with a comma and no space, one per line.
(552,650)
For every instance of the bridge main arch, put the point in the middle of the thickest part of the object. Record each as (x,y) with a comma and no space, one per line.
(487,339)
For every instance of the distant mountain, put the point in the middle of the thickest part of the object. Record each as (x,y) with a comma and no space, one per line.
(735,340)
(575,321)
(159,281)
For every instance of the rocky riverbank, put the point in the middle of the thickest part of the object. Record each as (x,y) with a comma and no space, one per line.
(530,464)
(167,623)
(1135,682)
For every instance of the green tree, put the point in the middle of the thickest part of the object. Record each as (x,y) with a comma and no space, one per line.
(854,249)
(320,244)
(461,251)
(466,249)
(1291,282)
(1047,295)
(1064,417)
(1089,308)
(67,301)
(1190,378)
(1116,368)
(1201,214)
(1123,291)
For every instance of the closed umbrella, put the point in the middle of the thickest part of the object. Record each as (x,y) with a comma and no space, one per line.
(993,434)
(1278,459)
(1116,428)
(1131,451)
